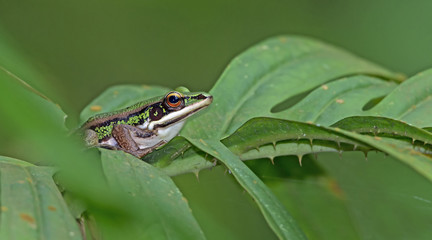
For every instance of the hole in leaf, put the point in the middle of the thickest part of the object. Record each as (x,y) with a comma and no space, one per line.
(290,102)
(372,103)
(297,98)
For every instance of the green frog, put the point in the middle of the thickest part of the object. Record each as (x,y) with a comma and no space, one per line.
(146,125)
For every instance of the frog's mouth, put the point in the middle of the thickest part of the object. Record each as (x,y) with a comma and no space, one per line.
(180,115)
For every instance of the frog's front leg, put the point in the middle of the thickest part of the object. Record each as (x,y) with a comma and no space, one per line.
(124,135)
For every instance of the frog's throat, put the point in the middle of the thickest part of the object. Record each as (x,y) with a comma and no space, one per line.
(180,114)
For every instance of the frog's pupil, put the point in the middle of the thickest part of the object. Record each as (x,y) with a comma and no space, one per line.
(173,99)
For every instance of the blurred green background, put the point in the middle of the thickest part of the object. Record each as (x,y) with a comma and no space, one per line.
(82,47)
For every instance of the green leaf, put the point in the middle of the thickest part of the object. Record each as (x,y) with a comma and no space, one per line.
(31,205)
(338,99)
(359,195)
(313,196)
(270,72)
(276,215)
(409,102)
(278,134)
(16,66)
(403,152)
(178,157)
(384,126)
(391,136)
(167,214)
(53,114)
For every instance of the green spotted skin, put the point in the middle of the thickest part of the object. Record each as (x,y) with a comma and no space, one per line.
(140,113)
(104,131)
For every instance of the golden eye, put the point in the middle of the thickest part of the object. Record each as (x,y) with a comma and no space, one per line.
(174,99)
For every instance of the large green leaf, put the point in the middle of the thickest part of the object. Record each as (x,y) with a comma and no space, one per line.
(167,214)
(252,84)
(270,73)
(31,205)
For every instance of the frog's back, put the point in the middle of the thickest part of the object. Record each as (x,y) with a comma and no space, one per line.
(123,114)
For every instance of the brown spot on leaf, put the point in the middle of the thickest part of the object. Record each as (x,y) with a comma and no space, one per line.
(4,208)
(52,208)
(21,181)
(27,218)
(340,101)
(96,108)
(325,87)
(203,142)
(283,39)
(334,188)
(377,138)
(414,152)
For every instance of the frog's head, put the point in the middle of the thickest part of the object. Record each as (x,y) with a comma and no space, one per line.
(177,106)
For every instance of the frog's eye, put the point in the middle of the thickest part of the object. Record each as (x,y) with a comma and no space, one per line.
(174,99)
